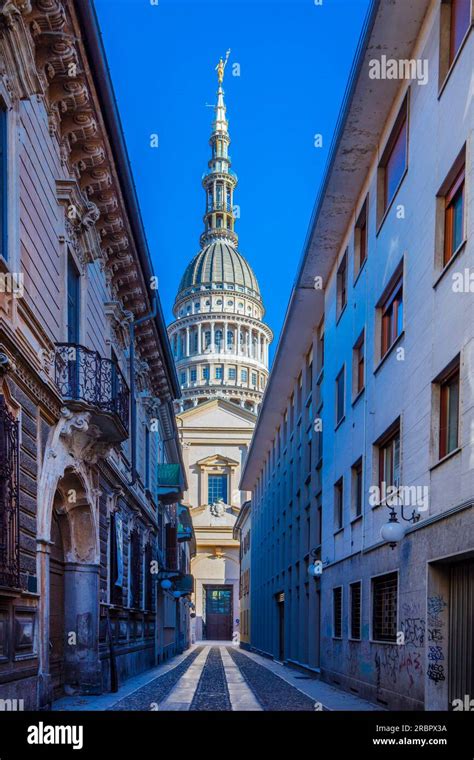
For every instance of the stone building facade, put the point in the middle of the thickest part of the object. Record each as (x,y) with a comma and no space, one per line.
(91,468)
(361,463)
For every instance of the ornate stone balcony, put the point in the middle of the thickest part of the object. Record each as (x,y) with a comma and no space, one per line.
(93,383)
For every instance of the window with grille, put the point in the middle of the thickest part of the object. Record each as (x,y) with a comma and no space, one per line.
(384,609)
(337,612)
(355,593)
(9,498)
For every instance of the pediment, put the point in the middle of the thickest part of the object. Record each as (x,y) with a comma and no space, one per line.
(217,460)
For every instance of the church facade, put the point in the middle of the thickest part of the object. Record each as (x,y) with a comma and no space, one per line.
(220,345)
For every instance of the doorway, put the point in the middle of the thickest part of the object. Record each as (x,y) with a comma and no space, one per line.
(461,630)
(218,606)
(56,614)
(280,598)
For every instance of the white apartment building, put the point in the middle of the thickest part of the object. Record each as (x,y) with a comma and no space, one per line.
(373,386)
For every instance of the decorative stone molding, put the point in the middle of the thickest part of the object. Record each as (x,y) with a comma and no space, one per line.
(83,439)
(119,320)
(17,50)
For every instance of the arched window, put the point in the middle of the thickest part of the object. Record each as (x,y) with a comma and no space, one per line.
(207,339)
(218,339)
(230,338)
(195,341)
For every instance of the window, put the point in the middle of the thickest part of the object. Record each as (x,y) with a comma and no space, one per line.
(244,375)
(389,458)
(342,285)
(393,164)
(360,239)
(216,488)
(460,19)
(338,504)
(337,612)
(183,378)
(340,401)
(357,488)
(115,559)
(205,373)
(232,373)
(193,375)
(355,602)
(147,457)
(148,578)
(9,498)
(230,334)
(384,607)
(392,316)
(134,572)
(73,301)
(449,412)
(254,378)
(218,338)
(454,217)
(207,339)
(358,366)
(219,372)
(3,182)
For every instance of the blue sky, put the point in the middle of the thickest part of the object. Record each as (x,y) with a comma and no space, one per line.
(294,59)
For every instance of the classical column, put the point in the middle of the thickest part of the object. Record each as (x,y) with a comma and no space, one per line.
(226,327)
(238,339)
(212,337)
(199,329)
(187,341)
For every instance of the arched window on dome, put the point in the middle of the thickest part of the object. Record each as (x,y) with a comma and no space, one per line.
(218,340)
(197,306)
(195,341)
(230,338)
(207,339)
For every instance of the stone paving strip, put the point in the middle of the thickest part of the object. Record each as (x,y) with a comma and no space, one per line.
(212,693)
(240,695)
(183,693)
(156,691)
(272,692)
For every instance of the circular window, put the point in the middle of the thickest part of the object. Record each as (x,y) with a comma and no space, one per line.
(230,303)
(219,302)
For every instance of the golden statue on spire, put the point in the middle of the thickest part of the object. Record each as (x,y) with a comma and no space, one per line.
(221,67)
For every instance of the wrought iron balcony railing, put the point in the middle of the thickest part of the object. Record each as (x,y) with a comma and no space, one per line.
(82,375)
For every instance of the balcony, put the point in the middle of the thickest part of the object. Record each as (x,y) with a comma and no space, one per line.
(90,382)
(170,483)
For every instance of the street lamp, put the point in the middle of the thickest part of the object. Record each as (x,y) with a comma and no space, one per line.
(393,531)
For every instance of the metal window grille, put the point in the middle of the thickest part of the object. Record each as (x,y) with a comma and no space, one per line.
(337,612)
(384,622)
(9,499)
(355,609)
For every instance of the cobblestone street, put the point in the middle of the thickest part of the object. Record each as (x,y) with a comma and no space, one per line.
(220,677)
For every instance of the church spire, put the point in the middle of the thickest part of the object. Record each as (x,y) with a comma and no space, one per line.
(219,181)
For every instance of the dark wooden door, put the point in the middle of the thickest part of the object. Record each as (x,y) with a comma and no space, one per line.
(56,610)
(218,613)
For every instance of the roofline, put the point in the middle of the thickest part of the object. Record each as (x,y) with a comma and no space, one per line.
(362,44)
(243,514)
(100,72)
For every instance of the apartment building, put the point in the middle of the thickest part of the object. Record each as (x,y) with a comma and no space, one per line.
(94,547)
(361,465)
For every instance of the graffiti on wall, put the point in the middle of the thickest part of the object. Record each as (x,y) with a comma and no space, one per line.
(436,608)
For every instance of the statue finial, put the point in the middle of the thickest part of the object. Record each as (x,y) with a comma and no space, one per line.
(221,66)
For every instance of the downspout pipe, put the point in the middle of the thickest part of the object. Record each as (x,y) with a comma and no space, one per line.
(133,402)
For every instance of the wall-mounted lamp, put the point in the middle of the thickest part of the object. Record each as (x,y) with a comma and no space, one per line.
(393,531)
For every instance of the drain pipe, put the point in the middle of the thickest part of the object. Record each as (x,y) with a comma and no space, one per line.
(133,406)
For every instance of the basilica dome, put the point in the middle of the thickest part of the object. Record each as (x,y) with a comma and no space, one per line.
(220,262)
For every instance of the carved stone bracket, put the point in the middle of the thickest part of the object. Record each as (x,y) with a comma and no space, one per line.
(83,439)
